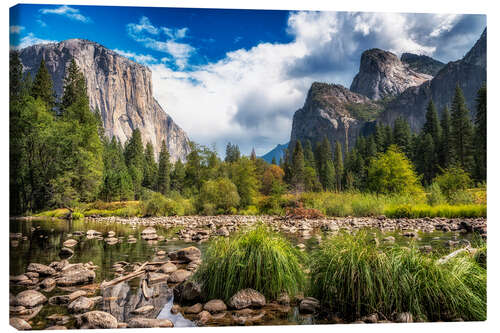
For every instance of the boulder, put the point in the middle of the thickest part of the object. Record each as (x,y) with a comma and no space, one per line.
(74,275)
(157,277)
(168,268)
(223,232)
(140,322)
(19,324)
(403,317)
(80,305)
(70,243)
(215,306)
(186,255)
(48,283)
(149,234)
(204,317)
(41,269)
(284,299)
(18,278)
(59,319)
(179,276)
(247,298)
(309,305)
(188,291)
(370,319)
(66,299)
(30,298)
(194,309)
(28,313)
(96,319)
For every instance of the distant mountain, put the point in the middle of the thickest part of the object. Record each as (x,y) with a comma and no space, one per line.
(384,89)
(277,152)
(422,63)
(119,88)
(381,74)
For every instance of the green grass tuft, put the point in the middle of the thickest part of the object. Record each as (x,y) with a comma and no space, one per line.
(257,258)
(419,211)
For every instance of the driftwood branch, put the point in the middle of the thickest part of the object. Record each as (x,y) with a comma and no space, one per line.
(129,276)
(454,254)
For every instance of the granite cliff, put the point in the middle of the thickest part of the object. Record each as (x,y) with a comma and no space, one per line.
(119,88)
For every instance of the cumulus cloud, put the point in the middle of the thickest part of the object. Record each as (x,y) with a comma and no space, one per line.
(16,29)
(144,59)
(162,39)
(249,97)
(31,39)
(66,11)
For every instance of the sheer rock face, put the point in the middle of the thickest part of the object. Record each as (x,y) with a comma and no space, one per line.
(469,73)
(326,112)
(382,74)
(118,87)
(422,63)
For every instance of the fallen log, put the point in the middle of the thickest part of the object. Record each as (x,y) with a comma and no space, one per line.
(129,276)
(454,254)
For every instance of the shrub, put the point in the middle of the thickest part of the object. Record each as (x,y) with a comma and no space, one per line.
(255,258)
(155,205)
(452,180)
(462,197)
(220,193)
(435,196)
(367,205)
(392,172)
(351,275)
(419,211)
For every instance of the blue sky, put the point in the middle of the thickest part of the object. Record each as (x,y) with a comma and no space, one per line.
(239,75)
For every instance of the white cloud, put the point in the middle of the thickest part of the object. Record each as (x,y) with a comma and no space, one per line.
(69,12)
(41,23)
(31,39)
(140,58)
(149,35)
(16,29)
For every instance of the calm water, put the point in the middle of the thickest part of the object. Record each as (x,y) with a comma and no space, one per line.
(44,239)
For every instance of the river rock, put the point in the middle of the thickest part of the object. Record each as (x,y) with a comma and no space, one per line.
(309,305)
(204,317)
(194,309)
(215,306)
(143,309)
(223,232)
(28,313)
(389,239)
(66,252)
(283,299)
(370,319)
(75,274)
(140,322)
(111,240)
(48,283)
(66,299)
(176,308)
(93,233)
(70,243)
(111,233)
(247,298)
(19,278)
(96,319)
(30,298)
(149,233)
(188,291)
(80,305)
(403,317)
(157,278)
(179,276)
(186,255)
(56,328)
(168,268)
(59,265)
(59,319)
(41,269)
(19,324)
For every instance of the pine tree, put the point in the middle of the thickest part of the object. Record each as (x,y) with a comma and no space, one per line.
(426,163)
(150,172)
(297,167)
(134,158)
(43,87)
(15,76)
(402,135)
(431,125)
(309,155)
(74,85)
(339,166)
(461,131)
(117,184)
(232,153)
(445,153)
(324,165)
(480,135)
(253,156)
(164,167)
(178,175)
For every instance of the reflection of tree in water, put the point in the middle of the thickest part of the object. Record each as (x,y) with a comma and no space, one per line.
(123,298)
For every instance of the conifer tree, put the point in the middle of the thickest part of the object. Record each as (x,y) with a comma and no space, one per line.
(15,75)
(445,153)
(309,155)
(273,161)
(432,125)
(164,168)
(402,135)
(74,85)
(134,158)
(253,156)
(461,131)
(297,167)
(324,165)
(178,175)
(339,166)
(480,135)
(43,87)
(150,179)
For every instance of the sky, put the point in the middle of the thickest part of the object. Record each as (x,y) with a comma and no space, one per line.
(239,75)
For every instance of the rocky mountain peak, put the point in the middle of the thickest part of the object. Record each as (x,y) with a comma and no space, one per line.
(382,74)
(422,63)
(119,88)
(477,54)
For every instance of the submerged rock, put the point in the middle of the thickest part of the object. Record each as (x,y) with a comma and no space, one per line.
(309,305)
(186,255)
(80,305)
(179,276)
(30,298)
(204,317)
(140,322)
(168,268)
(41,269)
(188,291)
(143,309)
(247,298)
(96,319)
(74,275)
(194,309)
(215,306)
(19,324)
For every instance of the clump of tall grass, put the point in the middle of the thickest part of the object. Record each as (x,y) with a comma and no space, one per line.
(256,258)
(350,274)
(445,210)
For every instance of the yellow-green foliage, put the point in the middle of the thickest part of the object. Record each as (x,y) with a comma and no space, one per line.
(58,213)
(218,196)
(419,211)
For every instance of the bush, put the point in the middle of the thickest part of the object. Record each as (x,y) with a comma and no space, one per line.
(462,197)
(351,275)
(367,205)
(435,196)
(158,205)
(419,211)
(220,193)
(452,180)
(256,258)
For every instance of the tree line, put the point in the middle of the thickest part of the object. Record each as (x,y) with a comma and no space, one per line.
(60,155)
